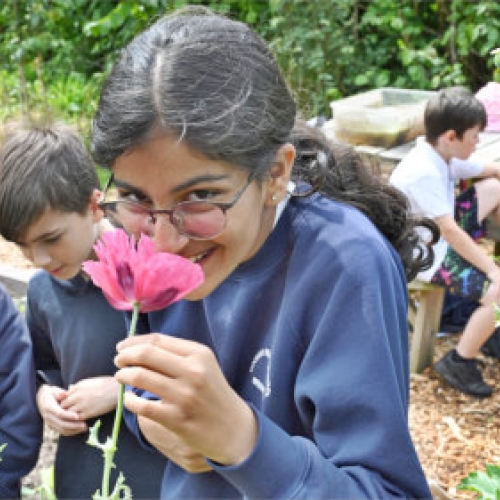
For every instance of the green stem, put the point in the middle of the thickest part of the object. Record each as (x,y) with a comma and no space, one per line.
(110,454)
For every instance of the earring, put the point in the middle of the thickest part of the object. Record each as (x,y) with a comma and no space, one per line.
(274,197)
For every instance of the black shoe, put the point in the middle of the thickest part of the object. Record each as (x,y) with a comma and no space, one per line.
(463,375)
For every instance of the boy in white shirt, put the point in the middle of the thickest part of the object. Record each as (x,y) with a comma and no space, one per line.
(428,175)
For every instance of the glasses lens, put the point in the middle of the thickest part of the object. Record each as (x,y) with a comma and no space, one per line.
(199,219)
(130,216)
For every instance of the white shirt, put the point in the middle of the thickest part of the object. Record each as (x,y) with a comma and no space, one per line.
(429,183)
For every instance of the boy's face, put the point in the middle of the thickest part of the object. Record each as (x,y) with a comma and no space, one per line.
(59,242)
(463,148)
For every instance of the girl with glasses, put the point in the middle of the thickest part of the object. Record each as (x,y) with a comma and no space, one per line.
(285,374)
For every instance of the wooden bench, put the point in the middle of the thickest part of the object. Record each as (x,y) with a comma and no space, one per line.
(424,315)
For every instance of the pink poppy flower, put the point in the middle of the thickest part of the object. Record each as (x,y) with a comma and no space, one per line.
(135,273)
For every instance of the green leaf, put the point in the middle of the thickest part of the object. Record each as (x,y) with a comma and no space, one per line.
(487,484)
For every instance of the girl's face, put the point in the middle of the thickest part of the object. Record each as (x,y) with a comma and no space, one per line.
(165,171)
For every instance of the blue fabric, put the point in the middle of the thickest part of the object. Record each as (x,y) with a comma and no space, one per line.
(20,423)
(75,332)
(312,332)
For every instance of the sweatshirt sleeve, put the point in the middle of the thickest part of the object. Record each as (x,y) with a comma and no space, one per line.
(46,364)
(20,423)
(352,391)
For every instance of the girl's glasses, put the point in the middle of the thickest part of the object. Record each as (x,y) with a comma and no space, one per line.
(199,220)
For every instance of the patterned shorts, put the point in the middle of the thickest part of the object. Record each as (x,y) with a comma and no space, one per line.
(459,276)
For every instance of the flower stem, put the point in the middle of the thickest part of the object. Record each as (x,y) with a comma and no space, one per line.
(109,455)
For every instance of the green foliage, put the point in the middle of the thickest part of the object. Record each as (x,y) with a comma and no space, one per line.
(80,36)
(55,53)
(496,62)
(339,48)
(71,97)
(486,484)
(312,47)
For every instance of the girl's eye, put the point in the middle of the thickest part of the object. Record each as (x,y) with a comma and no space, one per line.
(203,195)
(132,197)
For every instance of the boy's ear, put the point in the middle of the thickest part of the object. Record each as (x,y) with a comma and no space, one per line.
(280,173)
(450,135)
(95,198)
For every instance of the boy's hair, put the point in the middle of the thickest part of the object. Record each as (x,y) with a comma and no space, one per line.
(453,108)
(42,167)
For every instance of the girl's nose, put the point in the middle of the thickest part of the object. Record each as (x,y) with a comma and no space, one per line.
(167,237)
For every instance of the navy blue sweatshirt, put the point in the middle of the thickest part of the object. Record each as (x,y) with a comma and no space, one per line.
(312,333)
(20,423)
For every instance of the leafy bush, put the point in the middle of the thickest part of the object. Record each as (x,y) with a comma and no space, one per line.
(334,49)
(327,50)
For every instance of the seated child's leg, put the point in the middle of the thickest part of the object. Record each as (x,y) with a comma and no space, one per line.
(480,326)
(488,198)
(467,211)
(456,274)
(458,367)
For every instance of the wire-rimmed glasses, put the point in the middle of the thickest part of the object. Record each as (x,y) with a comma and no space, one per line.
(199,220)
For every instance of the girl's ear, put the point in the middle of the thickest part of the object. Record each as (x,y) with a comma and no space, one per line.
(95,198)
(280,173)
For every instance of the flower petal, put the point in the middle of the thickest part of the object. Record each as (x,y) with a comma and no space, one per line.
(131,273)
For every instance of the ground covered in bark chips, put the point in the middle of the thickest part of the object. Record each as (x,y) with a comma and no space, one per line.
(454,434)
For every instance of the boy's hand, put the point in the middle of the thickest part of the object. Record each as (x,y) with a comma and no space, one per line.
(92,397)
(67,423)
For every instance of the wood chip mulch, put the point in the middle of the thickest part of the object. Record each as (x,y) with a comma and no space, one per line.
(454,434)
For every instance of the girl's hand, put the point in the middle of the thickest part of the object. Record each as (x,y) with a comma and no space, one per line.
(92,397)
(196,403)
(170,445)
(63,421)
